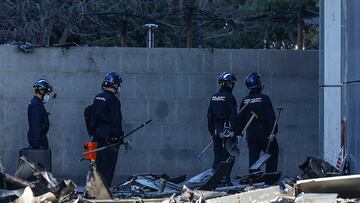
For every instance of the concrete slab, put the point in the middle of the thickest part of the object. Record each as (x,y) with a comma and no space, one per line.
(134,200)
(258,196)
(345,186)
(316,198)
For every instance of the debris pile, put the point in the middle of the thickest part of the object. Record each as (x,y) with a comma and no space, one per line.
(31,183)
(317,181)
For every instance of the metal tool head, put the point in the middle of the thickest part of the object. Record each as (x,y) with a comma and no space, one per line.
(263,159)
(280,108)
(253,113)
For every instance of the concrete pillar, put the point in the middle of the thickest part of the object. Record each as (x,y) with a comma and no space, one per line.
(331,85)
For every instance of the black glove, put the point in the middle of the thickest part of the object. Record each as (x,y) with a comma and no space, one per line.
(115,140)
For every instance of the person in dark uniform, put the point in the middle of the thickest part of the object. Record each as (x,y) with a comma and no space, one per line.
(108,125)
(38,116)
(259,132)
(222,115)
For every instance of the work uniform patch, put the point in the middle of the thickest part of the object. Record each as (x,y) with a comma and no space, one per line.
(218,98)
(100,98)
(253,100)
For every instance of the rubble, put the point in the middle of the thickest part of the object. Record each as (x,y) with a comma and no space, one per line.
(95,185)
(344,186)
(316,168)
(10,195)
(200,179)
(223,168)
(316,198)
(259,195)
(258,177)
(146,186)
(32,183)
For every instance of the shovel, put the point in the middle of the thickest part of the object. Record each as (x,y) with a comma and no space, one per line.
(199,157)
(266,156)
(231,146)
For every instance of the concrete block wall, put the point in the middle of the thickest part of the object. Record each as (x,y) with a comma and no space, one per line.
(170,86)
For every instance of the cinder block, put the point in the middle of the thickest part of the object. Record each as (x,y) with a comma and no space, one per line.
(148,86)
(68,84)
(289,63)
(162,60)
(200,135)
(176,86)
(244,61)
(65,160)
(203,86)
(23,88)
(190,110)
(133,162)
(298,114)
(293,89)
(162,110)
(186,163)
(6,56)
(102,59)
(157,159)
(134,110)
(127,89)
(177,136)
(74,60)
(134,60)
(216,61)
(148,138)
(189,60)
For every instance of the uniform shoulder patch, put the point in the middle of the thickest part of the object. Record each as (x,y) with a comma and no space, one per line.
(100,98)
(253,100)
(218,98)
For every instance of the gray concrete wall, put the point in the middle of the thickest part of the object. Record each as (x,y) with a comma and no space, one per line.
(170,86)
(351,81)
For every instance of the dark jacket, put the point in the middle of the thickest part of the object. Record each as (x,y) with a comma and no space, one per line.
(222,108)
(108,118)
(260,104)
(38,121)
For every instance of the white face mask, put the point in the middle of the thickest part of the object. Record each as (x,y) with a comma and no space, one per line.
(46,98)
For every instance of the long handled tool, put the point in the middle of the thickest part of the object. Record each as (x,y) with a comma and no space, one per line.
(253,116)
(102,148)
(266,156)
(231,146)
(199,156)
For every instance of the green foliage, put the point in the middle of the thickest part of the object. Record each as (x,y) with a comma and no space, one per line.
(215,23)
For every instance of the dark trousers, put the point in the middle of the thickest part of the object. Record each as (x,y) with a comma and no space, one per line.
(43,142)
(220,154)
(255,148)
(106,161)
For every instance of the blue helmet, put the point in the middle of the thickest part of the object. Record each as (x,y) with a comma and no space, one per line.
(226,77)
(42,84)
(111,79)
(253,81)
